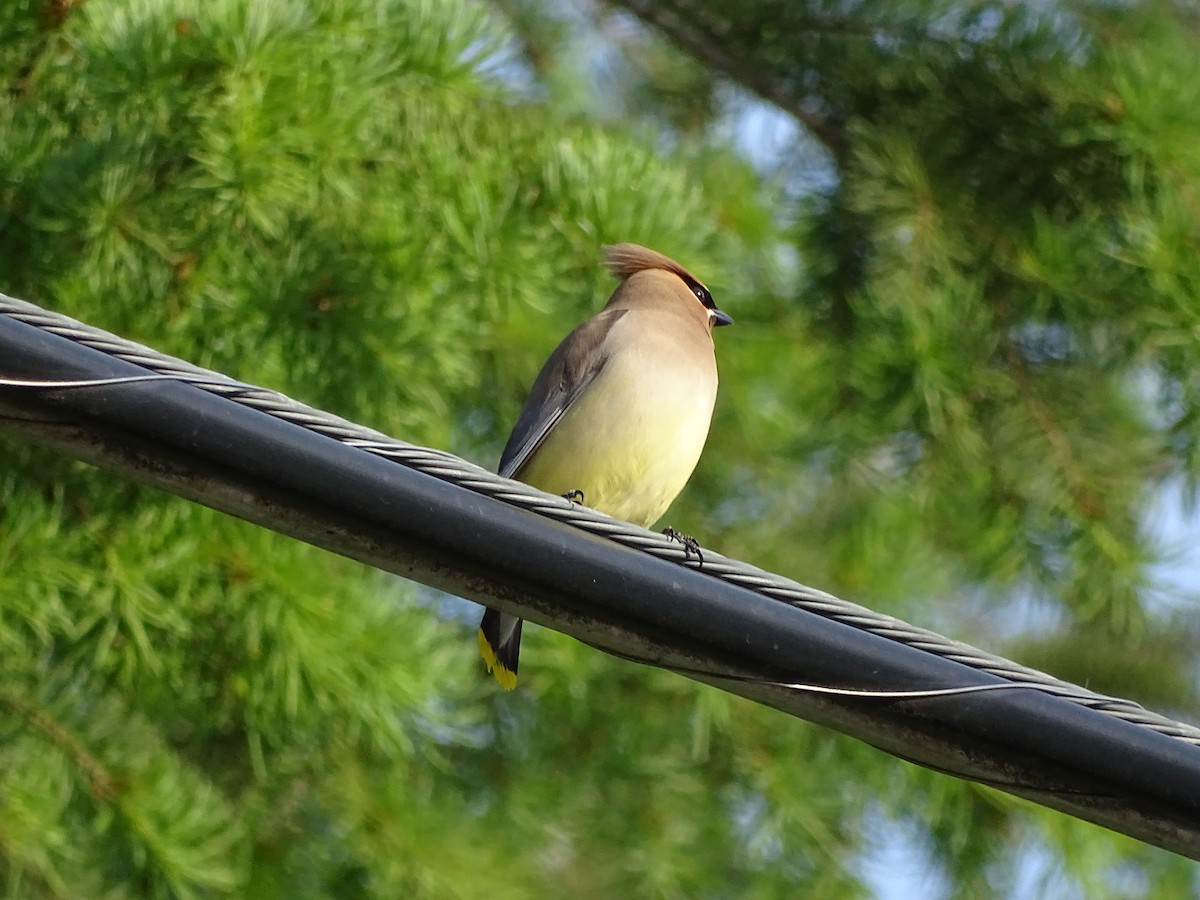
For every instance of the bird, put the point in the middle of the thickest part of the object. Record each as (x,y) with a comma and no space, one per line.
(619,414)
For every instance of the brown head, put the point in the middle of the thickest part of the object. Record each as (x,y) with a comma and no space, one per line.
(648,277)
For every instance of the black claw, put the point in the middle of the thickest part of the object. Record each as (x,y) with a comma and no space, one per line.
(691,546)
(575,496)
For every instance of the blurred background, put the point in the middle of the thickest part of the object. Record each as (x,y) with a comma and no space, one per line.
(960,242)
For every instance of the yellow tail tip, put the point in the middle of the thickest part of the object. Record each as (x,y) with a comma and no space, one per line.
(507,679)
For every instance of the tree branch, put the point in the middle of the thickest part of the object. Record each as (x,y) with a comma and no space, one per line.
(700,35)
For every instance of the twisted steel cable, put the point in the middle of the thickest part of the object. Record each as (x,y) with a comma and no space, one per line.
(450,468)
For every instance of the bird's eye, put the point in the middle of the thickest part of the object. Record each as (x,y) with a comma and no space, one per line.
(702,295)
(700,291)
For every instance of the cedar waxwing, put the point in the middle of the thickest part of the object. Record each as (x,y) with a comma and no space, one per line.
(620,411)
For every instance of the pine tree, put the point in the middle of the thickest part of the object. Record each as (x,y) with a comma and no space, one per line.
(349,202)
(989,377)
(961,370)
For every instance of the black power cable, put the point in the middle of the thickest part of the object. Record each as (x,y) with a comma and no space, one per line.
(439,520)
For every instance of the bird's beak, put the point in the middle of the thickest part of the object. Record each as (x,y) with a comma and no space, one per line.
(719,318)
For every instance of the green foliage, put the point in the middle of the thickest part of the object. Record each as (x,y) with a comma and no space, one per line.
(967,405)
(341,200)
(962,369)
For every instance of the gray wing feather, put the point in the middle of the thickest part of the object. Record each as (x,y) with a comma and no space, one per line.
(572,366)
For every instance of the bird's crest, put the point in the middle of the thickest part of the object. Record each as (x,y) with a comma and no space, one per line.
(624,260)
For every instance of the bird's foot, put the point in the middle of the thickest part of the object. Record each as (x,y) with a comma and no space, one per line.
(575,496)
(691,546)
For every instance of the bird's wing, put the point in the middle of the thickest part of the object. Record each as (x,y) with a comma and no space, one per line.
(570,369)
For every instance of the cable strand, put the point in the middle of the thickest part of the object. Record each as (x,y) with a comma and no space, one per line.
(449,468)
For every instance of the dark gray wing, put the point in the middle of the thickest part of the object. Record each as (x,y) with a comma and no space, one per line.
(568,371)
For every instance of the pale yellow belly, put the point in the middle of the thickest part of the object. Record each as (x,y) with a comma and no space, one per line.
(630,443)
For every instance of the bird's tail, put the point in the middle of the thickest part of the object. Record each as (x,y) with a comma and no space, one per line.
(500,645)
